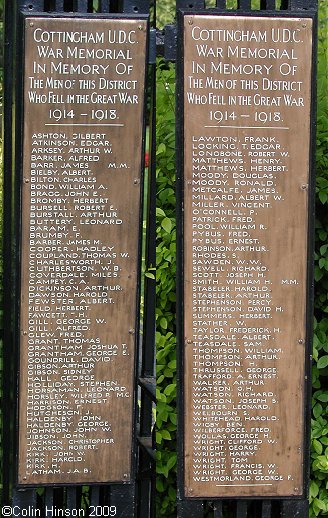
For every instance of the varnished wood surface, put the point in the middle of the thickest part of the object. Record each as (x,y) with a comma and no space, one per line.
(280,233)
(116,180)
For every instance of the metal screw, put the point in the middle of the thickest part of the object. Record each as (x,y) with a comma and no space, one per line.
(26,180)
(304,25)
(189,342)
(191,21)
(24,478)
(304,187)
(125,475)
(31,25)
(131,331)
(136,181)
(140,27)
(301,341)
(24,333)
(189,182)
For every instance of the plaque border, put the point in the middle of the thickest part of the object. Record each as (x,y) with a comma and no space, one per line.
(309,282)
(18,215)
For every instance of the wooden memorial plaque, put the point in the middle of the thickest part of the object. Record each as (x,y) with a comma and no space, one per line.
(84,84)
(247,101)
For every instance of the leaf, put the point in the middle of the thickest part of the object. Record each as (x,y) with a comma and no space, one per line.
(170,389)
(172,461)
(318,274)
(173,418)
(158,437)
(159,485)
(163,323)
(317,446)
(319,504)
(168,373)
(314,489)
(160,212)
(172,493)
(161,149)
(323,397)
(166,435)
(323,249)
(167,225)
(322,362)
(317,410)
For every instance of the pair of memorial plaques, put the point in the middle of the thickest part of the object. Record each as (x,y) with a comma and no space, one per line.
(244,146)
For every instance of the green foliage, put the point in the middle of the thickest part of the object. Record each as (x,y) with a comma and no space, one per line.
(166,296)
(165,11)
(319,477)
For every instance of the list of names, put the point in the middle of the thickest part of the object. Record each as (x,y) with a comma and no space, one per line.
(246,178)
(81,199)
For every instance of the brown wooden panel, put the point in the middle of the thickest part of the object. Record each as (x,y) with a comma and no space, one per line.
(83,131)
(246,174)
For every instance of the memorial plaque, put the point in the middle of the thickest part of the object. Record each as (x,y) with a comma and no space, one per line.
(247,100)
(84,84)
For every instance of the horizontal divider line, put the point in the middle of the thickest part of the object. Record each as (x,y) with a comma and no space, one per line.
(242,485)
(250,127)
(59,124)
